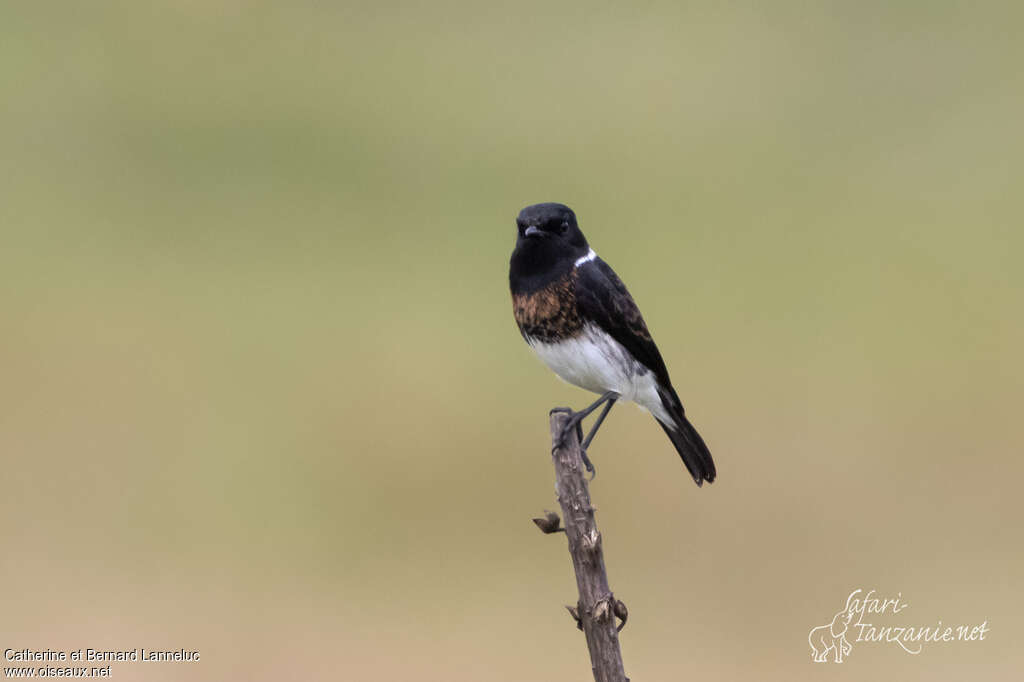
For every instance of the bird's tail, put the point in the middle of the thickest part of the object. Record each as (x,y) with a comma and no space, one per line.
(688,443)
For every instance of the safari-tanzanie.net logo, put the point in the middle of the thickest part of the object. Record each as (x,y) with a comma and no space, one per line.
(867,618)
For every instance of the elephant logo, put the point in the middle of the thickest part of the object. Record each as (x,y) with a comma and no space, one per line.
(832,636)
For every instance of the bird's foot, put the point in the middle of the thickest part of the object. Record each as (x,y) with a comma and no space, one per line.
(573,424)
(588,464)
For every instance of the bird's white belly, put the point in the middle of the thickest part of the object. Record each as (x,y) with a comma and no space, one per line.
(595,361)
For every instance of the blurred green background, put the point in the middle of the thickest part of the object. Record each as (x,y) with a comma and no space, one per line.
(261,393)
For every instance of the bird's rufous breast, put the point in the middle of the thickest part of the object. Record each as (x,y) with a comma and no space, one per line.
(549,314)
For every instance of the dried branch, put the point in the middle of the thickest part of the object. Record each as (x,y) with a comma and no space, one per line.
(597,607)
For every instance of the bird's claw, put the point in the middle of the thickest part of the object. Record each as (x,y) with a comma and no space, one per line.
(573,423)
(588,464)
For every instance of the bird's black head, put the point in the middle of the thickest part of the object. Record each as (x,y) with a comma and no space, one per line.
(553,225)
(549,241)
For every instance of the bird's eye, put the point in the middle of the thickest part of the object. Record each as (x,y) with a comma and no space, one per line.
(563,227)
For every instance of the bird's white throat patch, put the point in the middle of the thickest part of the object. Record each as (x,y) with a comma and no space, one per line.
(585,259)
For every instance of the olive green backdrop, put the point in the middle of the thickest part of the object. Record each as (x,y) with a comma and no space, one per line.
(261,393)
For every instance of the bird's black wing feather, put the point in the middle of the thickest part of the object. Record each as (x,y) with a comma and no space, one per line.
(602,298)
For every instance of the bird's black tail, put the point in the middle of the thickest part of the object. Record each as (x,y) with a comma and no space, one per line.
(688,442)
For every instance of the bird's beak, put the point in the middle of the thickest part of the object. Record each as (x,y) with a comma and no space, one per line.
(532,230)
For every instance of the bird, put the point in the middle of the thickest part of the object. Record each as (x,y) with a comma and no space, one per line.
(579,318)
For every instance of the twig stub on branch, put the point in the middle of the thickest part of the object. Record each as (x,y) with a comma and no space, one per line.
(550,523)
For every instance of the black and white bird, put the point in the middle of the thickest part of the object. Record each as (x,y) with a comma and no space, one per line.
(577,315)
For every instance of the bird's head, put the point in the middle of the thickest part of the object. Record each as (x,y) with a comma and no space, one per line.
(548,234)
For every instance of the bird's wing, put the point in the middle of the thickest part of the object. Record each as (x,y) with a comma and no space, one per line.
(603,298)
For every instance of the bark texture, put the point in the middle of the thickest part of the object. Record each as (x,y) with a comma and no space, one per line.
(597,608)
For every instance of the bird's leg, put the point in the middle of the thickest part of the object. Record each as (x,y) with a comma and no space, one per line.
(600,418)
(585,442)
(574,423)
